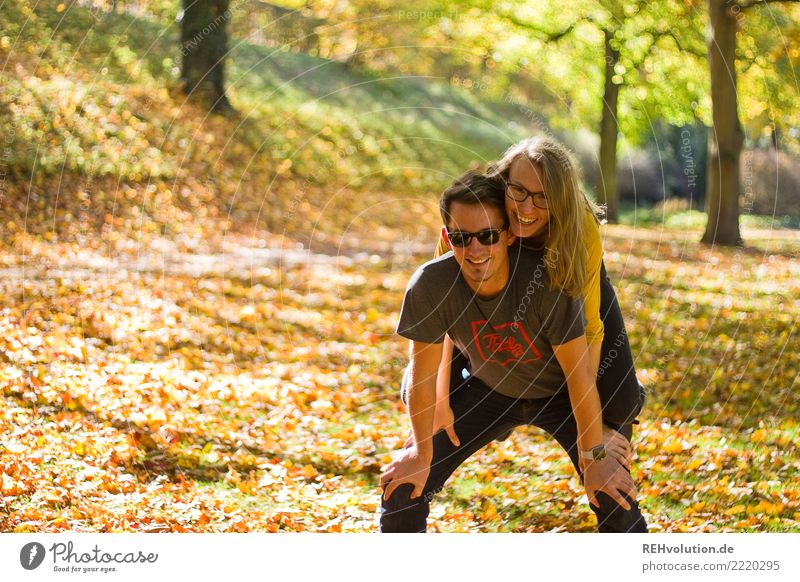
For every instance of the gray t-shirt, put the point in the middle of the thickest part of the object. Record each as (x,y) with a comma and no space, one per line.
(508,338)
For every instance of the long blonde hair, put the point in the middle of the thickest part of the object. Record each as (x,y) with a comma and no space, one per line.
(566,252)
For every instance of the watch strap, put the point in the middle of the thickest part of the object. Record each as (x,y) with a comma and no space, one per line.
(594,454)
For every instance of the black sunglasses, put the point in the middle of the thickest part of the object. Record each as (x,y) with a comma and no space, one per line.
(486,237)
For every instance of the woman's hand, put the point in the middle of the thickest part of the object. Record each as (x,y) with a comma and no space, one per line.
(443,418)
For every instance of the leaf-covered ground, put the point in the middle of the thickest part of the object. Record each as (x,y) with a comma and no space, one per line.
(253,387)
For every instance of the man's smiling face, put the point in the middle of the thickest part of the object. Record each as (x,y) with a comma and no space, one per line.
(484,267)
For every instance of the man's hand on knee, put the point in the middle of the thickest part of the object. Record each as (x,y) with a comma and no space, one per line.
(610,477)
(617,447)
(409,467)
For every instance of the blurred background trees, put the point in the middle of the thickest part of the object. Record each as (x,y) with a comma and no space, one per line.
(726,139)
(372,95)
(204,47)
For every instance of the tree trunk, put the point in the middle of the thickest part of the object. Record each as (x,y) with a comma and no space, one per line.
(204,42)
(725,139)
(609,128)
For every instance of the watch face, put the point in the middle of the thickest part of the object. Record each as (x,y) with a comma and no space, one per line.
(599,452)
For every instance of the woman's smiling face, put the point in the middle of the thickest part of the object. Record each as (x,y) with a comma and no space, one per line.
(525,219)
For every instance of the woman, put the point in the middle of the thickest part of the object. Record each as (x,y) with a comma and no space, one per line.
(547,211)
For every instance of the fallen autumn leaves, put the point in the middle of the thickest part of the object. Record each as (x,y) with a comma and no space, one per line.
(147,396)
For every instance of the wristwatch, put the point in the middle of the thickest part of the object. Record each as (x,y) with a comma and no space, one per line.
(595,454)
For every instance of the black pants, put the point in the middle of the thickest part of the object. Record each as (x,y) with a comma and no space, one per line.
(481,416)
(621,395)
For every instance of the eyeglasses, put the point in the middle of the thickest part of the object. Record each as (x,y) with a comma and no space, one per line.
(486,237)
(519,194)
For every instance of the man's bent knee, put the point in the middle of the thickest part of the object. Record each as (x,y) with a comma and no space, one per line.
(624,406)
(612,518)
(402,514)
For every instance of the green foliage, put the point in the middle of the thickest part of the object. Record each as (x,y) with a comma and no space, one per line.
(686,220)
(301,113)
(550,57)
(768,59)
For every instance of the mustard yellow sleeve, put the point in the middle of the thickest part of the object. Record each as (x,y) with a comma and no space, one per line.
(443,248)
(591,292)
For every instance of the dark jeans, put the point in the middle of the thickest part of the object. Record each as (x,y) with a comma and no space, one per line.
(621,395)
(481,416)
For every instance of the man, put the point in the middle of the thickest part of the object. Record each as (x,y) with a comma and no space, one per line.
(527,351)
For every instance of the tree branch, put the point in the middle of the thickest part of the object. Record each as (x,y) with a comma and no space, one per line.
(691,51)
(747,4)
(550,36)
(750,62)
(658,34)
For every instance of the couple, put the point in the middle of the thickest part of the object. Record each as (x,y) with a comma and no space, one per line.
(524,298)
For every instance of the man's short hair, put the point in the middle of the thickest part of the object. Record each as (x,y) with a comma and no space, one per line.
(474,188)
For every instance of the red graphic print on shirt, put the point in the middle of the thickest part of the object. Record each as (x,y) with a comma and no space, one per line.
(504,344)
